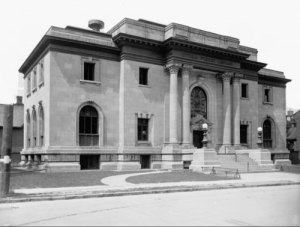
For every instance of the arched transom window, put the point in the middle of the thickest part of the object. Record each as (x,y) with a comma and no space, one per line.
(88,127)
(198,102)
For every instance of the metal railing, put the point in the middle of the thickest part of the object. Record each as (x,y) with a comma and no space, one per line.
(227,171)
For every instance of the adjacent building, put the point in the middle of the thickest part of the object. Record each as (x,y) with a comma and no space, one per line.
(18,129)
(137,96)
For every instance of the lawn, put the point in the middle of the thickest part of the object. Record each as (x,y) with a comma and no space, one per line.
(67,179)
(169,177)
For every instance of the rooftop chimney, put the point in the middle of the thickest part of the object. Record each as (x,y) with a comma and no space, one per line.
(96,25)
(19,100)
(290,113)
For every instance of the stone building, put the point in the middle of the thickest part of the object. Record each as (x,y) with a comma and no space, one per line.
(137,96)
(293,136)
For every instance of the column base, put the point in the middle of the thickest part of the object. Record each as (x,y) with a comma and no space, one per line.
(108,165)
(62,167)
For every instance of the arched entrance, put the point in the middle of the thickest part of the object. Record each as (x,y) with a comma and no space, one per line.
(198,114)
(88,127)
(267,134)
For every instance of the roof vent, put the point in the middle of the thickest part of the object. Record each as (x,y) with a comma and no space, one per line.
(96,25)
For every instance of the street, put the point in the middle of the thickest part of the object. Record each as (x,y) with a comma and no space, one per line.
(278,205)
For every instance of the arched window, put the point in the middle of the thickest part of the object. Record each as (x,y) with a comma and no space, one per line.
(41,127)
(198,102)
(88,127)
(267,134)
(34,128)
(28,130)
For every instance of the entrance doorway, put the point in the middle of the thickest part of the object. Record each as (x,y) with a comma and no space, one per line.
(197,138)
(145,161)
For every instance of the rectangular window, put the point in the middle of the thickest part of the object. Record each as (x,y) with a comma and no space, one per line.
(41,71)
(143,76)
(267,95)
(89,69)
(244,90)
(143,129)
(243,133)
(28,84)
(34,79)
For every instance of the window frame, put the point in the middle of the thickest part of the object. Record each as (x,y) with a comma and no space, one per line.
(247,91)
(41,73)
(34,80)
(270,95)
(142,126)
(141,69)
(96,63)
(28,84)
(246,136)
(91,133)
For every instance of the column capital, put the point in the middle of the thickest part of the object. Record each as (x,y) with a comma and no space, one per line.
(173,67)
(186,69)
(227,76)
(237,77)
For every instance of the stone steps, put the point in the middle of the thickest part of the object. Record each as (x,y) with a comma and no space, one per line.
(228,161)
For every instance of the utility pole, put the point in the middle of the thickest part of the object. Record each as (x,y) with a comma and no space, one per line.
(6,150)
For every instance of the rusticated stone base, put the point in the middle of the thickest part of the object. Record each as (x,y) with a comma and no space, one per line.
(128,166)
(62,167)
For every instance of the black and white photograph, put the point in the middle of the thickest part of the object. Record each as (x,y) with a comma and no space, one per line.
(149,113)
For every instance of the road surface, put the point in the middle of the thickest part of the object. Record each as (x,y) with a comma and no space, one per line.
(278,205)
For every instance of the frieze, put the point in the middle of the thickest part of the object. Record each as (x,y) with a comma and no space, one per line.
(208,59)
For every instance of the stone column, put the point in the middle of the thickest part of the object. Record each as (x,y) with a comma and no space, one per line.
(236,108)
(186,113)
(226,108)
(173,68)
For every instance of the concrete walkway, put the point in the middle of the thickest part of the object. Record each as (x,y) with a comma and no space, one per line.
(119,183)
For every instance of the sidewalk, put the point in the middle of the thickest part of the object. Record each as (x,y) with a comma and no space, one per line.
(117,186)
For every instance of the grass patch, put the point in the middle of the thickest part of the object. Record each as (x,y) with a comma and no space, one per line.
(170,177)
(66,179)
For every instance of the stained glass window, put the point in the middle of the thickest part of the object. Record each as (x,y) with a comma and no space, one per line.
(198,102)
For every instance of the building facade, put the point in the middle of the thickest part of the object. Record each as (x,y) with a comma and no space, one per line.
(137,96)
(18,129)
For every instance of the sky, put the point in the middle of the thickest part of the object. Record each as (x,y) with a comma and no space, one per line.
(272,27)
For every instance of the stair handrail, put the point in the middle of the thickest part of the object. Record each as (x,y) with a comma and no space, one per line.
(248,166)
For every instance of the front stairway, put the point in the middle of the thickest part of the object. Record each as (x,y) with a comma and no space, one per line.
(243,163)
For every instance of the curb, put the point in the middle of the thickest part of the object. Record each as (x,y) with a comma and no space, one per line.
(141,192)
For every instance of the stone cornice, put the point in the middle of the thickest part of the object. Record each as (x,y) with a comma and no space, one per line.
(45,44)
(272,81)
(173,42)
(253,65)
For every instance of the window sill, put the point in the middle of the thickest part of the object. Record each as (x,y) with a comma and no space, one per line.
(244,98)
(143,143)
(142,85)
(41,84)
(28,95)
(34,90)
(90,82)
(268,103)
